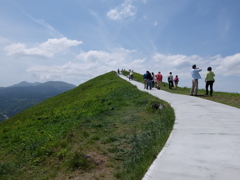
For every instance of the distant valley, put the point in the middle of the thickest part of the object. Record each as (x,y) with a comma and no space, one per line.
(18,97)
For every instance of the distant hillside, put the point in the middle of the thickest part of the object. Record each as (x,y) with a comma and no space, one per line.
(25,83)
(19,97)
(104,129)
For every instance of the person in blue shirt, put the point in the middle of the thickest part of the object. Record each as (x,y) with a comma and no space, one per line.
(145,80)
(195,76)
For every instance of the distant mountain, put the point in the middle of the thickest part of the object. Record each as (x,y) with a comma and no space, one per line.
(25,83)
(18,97)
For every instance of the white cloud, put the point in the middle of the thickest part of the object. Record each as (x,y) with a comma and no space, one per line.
(93,63)
(87,65)
(46,49)
(115,57)
(122,11)
(155,23)
(228,66)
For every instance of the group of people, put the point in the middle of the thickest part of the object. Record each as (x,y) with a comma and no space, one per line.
(151,80)
(173,82)
(209,79)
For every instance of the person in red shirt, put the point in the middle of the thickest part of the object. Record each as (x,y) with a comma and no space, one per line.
(159,80)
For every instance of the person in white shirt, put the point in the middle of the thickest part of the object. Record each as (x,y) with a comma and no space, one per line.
(195,76)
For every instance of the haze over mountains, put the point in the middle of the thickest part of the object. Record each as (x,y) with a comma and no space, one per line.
(21,96)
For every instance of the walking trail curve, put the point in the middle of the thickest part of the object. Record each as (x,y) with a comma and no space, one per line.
(204,143)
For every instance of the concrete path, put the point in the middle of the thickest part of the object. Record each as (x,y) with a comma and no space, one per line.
(204,144)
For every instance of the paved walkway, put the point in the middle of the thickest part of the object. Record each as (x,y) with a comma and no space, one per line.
(204,143)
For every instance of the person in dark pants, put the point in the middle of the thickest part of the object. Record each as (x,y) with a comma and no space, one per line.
(209,80)
(149,80)
(170,80)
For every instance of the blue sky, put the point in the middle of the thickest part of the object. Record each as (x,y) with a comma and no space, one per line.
(76,40)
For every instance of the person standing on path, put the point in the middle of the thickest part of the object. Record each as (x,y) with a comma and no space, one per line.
(149,80)
(153,78)
(195,76)
(145,80)
(170,80)
(209,80)
(159,79)
(176,79)
(130,75)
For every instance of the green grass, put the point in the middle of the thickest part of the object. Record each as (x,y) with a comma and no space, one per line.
(103,129)
(231,99)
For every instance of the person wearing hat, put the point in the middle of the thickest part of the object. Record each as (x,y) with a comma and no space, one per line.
(195,76)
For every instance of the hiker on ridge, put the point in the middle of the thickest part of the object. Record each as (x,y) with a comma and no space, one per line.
(170,80)
(176,80)
(145,80)
(195,76)
(149,80)
(159,80)
(153,77)
(209,80)
(130,76)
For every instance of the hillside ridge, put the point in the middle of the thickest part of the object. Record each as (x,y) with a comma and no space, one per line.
(19,97)
(103,129)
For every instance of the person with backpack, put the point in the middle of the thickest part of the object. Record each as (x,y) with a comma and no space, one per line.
(170,80)
(176,79)
(149,80)
(145,80)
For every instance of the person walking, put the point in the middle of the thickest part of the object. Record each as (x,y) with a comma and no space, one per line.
(170,80)
(153,79)
(159,80)
(130,76)
(145,80)
(176,80)
(195,76)
(209,79)
(149,80)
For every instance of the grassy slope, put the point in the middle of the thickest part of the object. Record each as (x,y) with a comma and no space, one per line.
(103,129)
(231,99)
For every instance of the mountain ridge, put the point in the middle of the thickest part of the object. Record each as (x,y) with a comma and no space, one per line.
(103,129)
(23,95)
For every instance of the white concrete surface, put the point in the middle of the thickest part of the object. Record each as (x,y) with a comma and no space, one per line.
(204,144)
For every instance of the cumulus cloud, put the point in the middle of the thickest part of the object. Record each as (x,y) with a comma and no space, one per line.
(86,66)
(228,66)
(122,11)
(114,57)
(181,65)
(92,63)
(46,49)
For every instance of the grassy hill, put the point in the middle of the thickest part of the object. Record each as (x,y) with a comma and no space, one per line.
(19,97)
(231,99)
(103,129)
